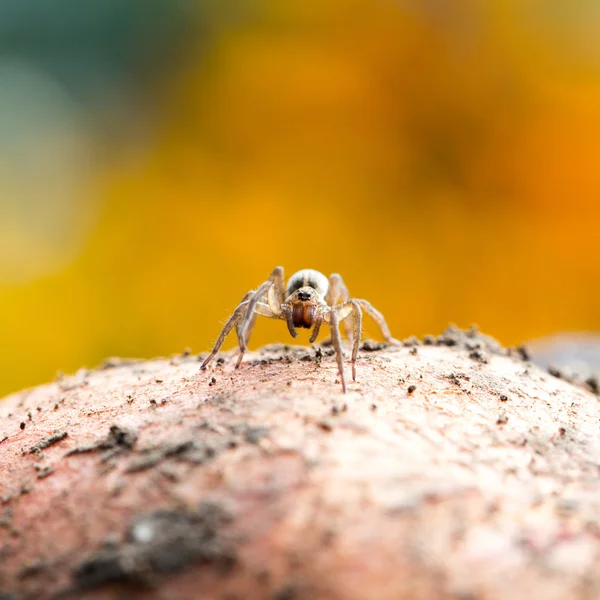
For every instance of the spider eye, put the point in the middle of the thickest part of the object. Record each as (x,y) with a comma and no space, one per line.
(304,296)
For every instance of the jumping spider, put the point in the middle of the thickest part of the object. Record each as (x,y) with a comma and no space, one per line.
(308,300)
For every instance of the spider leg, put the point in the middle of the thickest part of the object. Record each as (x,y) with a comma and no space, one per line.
(357,326)
(337,344)
(337,294)
(276,278)
(234,321)
(250,327)
(231,323)
(379,319)
(243,339)
(261,309)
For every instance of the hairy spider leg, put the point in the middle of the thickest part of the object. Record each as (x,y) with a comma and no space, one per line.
(244,337)
(379,319)
(357,329)
(231,323)
(337,294)
(276,278)
(261,309)
(337,344)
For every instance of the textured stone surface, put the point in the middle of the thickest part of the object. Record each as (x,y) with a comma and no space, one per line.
(451,469)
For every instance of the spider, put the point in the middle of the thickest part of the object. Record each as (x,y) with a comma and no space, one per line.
(308,300)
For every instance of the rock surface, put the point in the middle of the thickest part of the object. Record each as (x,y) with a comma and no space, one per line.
(452,469)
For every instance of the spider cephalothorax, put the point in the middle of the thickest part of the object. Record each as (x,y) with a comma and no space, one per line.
(308,301)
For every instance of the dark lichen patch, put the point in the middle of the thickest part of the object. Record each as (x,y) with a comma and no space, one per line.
(254,433)
(159,544)
(371,346)
(288,591)
(6,518)
(478,356)
(119,440)
(471,340)
(523,353)
(325,425)
(592,383)
(114,362)
(32,569)
(193,451)
(43,472)
(457,377)
(411,341)
(48,441)
(555,372)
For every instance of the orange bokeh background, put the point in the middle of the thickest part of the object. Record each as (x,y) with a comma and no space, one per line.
(443,157)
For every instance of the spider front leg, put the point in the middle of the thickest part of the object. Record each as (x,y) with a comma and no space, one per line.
(352,307)
(275,281)
(261,308)
(338,294)
(337,344)
(232,322)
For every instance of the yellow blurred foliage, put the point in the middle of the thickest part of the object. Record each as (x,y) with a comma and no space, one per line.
(441,156)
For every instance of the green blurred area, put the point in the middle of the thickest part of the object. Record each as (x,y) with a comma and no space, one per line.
(158,159)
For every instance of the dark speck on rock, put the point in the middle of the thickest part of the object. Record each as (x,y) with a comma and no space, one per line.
(593,384)
(48,441)
(478,356)
(119,440)
(45,472)
(411,388)
(254,434)
(287,592)
(555,372)
(371,346)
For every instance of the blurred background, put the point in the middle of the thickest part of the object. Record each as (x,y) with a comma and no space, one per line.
(159,157)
